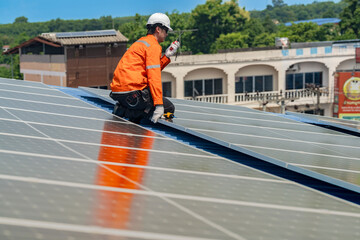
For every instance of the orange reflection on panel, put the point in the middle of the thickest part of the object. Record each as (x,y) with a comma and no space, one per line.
(114,208)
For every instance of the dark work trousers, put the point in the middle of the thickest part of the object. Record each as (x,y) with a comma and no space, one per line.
(137,105)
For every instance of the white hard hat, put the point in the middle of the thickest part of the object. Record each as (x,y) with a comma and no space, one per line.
(159,18)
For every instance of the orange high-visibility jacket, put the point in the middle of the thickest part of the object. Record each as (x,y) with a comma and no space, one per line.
(140,67)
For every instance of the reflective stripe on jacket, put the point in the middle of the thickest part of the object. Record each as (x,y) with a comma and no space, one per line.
(140,67)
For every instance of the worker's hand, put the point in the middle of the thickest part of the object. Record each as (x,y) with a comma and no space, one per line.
(171,50)
(158,112)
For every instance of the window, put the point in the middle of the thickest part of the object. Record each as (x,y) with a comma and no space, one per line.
(203,87)
(254,84)
(166,86)
(299,80)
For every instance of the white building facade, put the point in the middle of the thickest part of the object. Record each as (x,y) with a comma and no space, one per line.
(264,79)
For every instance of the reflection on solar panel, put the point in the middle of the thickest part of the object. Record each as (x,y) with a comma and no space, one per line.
(349,125)
(79,175)
(86,34)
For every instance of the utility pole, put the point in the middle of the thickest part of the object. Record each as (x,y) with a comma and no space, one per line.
(277,98)
(312,88)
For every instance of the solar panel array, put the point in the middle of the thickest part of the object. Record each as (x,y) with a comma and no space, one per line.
(231,201)
(86,34)
(72,171)
(318,152)
(315,151)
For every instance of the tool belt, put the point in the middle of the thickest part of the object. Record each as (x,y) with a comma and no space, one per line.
(133,105)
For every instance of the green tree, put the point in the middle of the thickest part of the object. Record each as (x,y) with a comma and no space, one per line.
(278,3)
(350,18)
(252,28)
(264,40)
(213,19)
(106,22)
(21,20)
(135,29)
(230,41)
(305,32)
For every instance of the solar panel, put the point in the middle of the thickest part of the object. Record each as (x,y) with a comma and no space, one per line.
(77,172)
(350,125)
(86,34)
(317,152)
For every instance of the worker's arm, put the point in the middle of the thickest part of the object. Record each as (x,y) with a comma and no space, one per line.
(164,61)
(153,72)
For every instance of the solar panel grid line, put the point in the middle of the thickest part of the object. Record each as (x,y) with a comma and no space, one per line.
(67,115)
(93,229)
(228,160)
(335,169)
(54,104)
(241,149)
(23,83)
(85,129)
(262,127)
(350,125)
(240,111)
(294,151)
(237,117)
(250,111)
(41,99)
(326,178)
(275,138)
(199,217)
(39,94)
(191,172)
(61,141)
(318,145)
(167,195)
(236,133)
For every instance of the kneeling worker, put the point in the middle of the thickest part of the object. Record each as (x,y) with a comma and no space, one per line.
(136,85)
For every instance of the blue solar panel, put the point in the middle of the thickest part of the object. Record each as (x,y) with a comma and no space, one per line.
(86,34)
(318,21)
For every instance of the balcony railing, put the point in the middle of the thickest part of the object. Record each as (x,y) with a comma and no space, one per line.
(220,98)
(301,94)
(251,97)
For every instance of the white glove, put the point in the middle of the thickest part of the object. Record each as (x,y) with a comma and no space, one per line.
(171,50)
(158,112)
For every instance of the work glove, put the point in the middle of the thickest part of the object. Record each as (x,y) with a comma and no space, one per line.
(158,112)
(171,50)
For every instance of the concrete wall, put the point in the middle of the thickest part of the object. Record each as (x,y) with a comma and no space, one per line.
(48,69)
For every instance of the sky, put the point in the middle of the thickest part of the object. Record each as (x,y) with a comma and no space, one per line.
(45,10)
